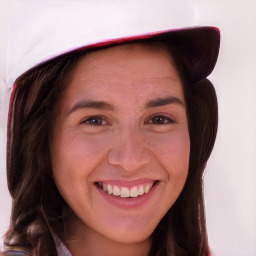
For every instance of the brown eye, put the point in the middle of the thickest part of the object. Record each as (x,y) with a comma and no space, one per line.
(161,120)
(94,120)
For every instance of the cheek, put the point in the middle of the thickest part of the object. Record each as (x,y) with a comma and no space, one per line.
(179,151)
(75,155)
(172,150)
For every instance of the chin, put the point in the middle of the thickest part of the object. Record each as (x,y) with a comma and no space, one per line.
(130,231)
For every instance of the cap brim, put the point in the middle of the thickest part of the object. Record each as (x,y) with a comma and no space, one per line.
(200,46)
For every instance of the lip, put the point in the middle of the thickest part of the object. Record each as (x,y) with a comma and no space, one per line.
(128,203)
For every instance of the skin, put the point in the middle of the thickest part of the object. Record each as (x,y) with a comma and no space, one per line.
(129,142)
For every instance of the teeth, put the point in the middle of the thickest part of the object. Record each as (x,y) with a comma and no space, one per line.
(147,188)
(116,191)
(141,191)
(125,192)
(105,188)
(109,188)
(135,191)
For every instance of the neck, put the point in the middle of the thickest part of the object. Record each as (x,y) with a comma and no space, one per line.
(83,241)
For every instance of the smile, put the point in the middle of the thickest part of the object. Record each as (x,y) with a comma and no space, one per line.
(127,194)
(123,191)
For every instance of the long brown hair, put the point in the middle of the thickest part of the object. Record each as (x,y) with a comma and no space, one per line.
(37,205)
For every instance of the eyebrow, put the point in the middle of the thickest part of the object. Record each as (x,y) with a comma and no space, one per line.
(102,105)
(92,104)
(164,101)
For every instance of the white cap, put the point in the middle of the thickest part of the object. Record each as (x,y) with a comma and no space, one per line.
(43,29)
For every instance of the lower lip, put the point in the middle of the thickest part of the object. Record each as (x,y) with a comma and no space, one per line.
(128,202)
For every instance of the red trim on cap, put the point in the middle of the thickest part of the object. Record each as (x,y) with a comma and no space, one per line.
(119,40)
(209,252)
(11,102)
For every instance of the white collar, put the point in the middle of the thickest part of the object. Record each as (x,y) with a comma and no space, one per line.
(61,248)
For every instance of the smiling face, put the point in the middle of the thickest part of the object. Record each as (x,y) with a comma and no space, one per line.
(120,148)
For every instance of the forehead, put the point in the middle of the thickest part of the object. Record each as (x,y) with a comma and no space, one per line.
(142,69)
(142,55)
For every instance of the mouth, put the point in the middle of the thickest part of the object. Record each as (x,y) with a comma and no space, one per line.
(126,191)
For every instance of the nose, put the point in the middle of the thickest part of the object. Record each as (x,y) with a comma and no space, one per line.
(129,150)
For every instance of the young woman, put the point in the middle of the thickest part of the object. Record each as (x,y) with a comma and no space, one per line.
(107,144)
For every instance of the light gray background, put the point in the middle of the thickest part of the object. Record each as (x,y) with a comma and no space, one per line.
(230,180)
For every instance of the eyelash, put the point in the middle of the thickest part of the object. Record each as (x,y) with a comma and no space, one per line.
(164,120)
